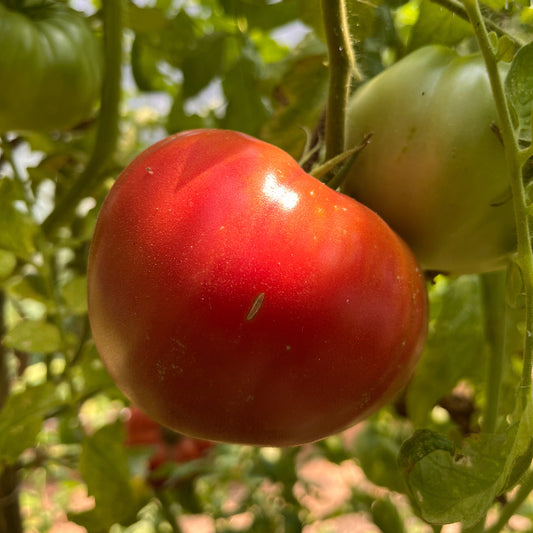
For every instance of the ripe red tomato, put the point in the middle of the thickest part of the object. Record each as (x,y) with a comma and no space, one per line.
(235,298)
(141,430)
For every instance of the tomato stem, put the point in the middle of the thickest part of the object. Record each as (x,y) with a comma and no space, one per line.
(10,520)
(342,69)
(493,290)
(512,506)
(514,159)
(107,132)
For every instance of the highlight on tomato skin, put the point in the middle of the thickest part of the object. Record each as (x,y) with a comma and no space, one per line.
(235,298)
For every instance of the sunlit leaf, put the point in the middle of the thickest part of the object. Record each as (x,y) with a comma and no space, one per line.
(104,468)
(519,87)
(17,228)
(436,24)
(34,336)
(455,344)
(21,419)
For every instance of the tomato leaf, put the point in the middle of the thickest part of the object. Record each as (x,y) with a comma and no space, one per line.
(17,228)
(261,13)
(104,468)
(8,262)
(450,484)
(203,62)
(21,419)
(519,87)
(34,336)
(436,24)
(299,97)
(75,294)
(145,19)
(455,346)
(246,110)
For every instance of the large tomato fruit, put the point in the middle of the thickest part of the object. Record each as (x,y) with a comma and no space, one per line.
(50,67)
(235,298)
(435,169)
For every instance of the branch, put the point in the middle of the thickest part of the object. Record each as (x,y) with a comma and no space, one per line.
(107,133)
(342,68)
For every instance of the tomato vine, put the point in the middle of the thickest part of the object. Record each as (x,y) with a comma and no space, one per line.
(108,121)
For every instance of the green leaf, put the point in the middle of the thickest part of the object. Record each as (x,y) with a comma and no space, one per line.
(203,62)
(455,348)
(34,336)
(246,110)
(451,485)
(310,12)
(436,24)
(519,87)
(21,419)
(262,13)
(179,120)
(386,516)
(299,97)
(376,449)
(104,468)
(75,294)
(145,19)
(17,228)
(8,262)
(459,485)
(144,66)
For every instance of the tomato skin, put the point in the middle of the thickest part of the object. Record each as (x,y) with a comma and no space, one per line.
(235,298)
(434,169)
(50,68)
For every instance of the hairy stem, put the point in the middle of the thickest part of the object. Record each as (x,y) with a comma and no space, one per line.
(512,506)
(342,69)
(514,163)
(107,133)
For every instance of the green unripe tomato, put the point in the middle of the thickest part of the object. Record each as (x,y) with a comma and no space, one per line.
(435,169)
(50,67)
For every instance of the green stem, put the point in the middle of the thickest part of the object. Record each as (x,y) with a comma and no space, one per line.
(514,160)
(509,509)
(107,132)
(342,68)
(455,7)
(4,375)
(168,513)
(17,174)
(494,286)
(10,519)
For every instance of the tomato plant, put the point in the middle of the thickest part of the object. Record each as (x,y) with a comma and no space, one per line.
(435,167)
(234,297)
(50,67)
(193,308)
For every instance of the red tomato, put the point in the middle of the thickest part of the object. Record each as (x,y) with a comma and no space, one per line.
(236,298)
(141,430)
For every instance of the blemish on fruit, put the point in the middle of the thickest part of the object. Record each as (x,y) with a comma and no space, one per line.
(258,302)
(149,170)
